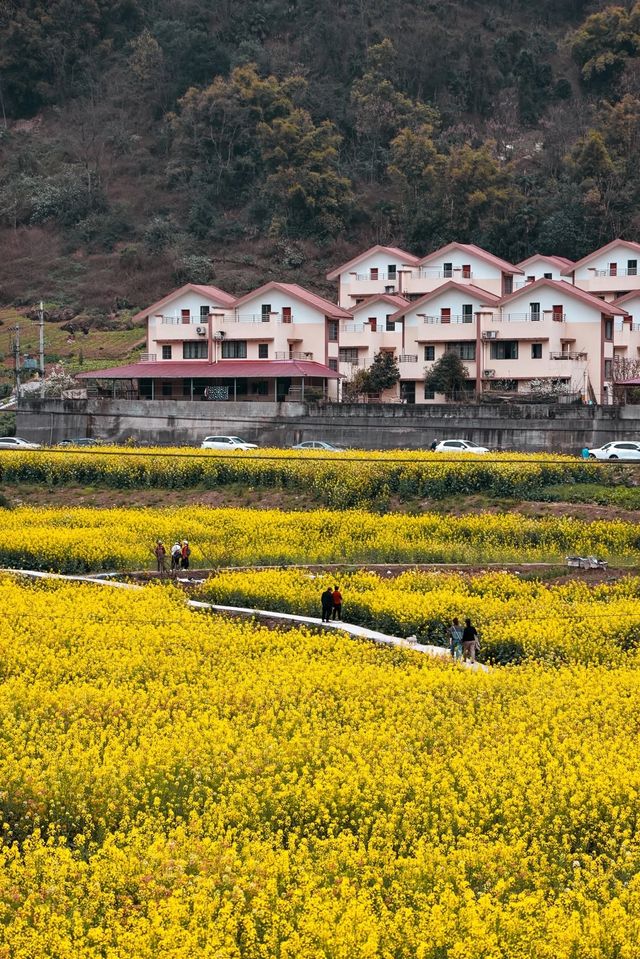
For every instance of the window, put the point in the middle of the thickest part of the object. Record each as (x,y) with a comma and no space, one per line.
(531,279)
(374,273)
(608,329)
(429,353)
(204,312)
(557,313)
(348,354)
(536,351)
(608,369)
(166,352)
(548,276)
(373,323)
(332,331)
(194,351)
(286,314)
(445,314)
(390,327)
(467,312)
(234,349)
(263,351)
(167,389)
(333,364)
(266,312)
(466,271)
(534,310)
(507,284)
(504,350)
(613,269)
(391,271)
(632,267)
(429,394)
(260,388)
(447,269)
(466,351)
(185,316)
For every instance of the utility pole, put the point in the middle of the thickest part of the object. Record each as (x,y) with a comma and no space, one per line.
(41,332)
(16,357)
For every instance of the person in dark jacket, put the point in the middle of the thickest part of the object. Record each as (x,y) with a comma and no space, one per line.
(327,604)
(470,642)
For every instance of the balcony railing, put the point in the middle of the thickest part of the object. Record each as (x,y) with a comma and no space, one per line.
(448,319)
(434,272)
(148,357)
(183,320)
(635,327)
(292,355)
(567,355)
(388,277)
(631,271)
(408,358)
(256,318)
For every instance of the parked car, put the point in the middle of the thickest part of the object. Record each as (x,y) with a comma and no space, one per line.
(623,450)
(16,443)
(318,445)
(226,443)
(459,446)
(80,441)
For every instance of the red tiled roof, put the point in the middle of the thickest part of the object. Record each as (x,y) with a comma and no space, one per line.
(560,261)
(604,249)
(486,299)
(391,298)
(394,251)
(185,369)
(568,289)
(298,292)
(477,251)
(212,292)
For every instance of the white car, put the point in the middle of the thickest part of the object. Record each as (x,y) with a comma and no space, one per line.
(226,443)
(318,445)
(624,450)
(16,443)
(459,446)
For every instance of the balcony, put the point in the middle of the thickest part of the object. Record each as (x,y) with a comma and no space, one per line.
(256,318)
(382,277)
(182,320)
(632,271)
(445,320)
(148,358)
(291,355)
(408,358)
(567,355)
(434,272)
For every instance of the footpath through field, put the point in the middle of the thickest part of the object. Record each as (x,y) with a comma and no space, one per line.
(358,632)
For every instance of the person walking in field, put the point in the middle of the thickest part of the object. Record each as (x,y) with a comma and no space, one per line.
(470,642)
(337,603)
(185,553)
(176,556)
(455,638)
(327,604)
(161,557)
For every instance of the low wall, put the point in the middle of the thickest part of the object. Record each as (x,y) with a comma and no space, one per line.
(537,427)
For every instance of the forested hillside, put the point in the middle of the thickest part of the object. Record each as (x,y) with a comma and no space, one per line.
(145,143)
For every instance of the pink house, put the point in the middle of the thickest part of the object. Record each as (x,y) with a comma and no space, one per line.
(380,269)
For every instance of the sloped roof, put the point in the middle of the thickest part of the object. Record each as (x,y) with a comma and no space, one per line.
(201,369)
(560,261)
(392,299)
(298,292)
(486,299)
(502,265)
(211,292)
(567,289)
(627,296)
(605,249)
(393,251)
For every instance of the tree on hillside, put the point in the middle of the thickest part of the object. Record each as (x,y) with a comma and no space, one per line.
(605,42)
(448,375)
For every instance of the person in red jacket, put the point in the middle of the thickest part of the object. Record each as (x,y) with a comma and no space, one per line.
(337,603)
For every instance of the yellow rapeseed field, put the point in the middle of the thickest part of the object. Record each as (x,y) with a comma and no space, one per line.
(175,785)
(71,540)
(517,619)
(353,479)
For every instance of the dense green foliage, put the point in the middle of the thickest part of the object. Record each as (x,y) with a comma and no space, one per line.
(158,139)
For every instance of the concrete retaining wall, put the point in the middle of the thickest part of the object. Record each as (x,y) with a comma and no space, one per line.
(537,427)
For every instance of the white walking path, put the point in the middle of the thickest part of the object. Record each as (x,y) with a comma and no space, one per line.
(360,632)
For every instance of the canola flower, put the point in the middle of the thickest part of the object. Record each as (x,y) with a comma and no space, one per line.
(358,478)
(83,539)
(177,785)
(518,619)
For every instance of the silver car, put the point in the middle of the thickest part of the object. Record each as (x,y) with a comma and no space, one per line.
(318,445)
(17,443)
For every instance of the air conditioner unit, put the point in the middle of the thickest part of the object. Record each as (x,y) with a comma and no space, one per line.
(390,289)
(489,373)
(219,335)
(201,330)
(489,334)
